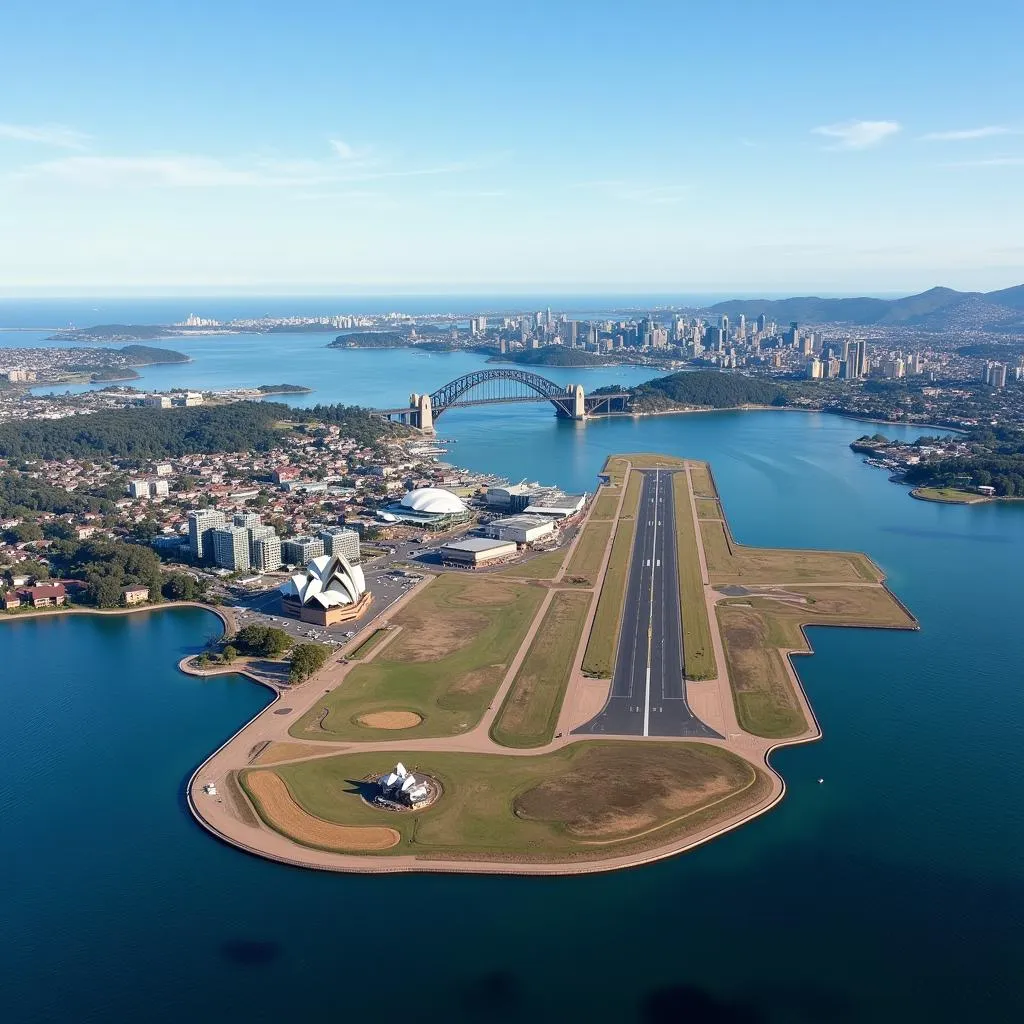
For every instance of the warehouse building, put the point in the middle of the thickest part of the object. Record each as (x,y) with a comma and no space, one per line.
(522,529)
(558,505)
(474,552)
(512,498)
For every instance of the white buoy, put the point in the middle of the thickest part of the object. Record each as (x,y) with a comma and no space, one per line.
(820,781)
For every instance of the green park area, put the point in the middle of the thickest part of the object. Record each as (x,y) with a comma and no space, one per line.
(529,714)
(698,651)
(589,551)
(729,562)
(501,808)
(437,677)
(948,495)
(604,633)
(757,630)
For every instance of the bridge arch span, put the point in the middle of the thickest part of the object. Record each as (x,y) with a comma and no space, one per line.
(514,385)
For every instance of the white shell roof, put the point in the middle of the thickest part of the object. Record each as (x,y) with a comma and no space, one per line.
(329,581)
(434,500)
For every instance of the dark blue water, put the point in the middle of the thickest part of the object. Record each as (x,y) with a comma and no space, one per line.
(892,892)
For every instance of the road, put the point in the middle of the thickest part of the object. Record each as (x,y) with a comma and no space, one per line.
(648,694)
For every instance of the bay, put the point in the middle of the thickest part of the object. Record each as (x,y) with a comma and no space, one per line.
(893,891)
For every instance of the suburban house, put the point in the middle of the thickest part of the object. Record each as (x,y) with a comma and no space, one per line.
(44,596)
(136,595)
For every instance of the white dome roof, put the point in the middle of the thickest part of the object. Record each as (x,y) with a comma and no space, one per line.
(435,500)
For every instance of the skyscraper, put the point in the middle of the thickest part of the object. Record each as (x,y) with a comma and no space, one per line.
(725,326)
(231,547)
(201,524)
(762,323)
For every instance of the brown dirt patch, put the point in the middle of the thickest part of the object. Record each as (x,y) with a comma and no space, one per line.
(282,813)
(274,753)
(390,719)
(622,791)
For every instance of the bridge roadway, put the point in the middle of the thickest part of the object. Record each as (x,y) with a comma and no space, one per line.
(648,693)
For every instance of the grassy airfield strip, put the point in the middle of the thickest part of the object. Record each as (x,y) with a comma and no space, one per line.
(604,634)
(496,807)
(729,562)
(530,712)
(459,635)
(586,559)
(758,629)
(606,504)
(698,652)
(540,567)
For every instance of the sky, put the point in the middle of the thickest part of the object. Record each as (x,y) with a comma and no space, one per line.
(416,147)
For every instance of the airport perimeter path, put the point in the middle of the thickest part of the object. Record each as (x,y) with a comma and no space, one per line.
(265,741)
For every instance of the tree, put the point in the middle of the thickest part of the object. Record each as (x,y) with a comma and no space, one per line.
(307,659)
(229,654)
(262,641)
(23,533)
(179,586)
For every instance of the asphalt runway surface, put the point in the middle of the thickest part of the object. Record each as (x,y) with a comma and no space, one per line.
(648,694)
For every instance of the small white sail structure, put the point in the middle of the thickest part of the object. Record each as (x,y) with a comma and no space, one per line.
(329,581)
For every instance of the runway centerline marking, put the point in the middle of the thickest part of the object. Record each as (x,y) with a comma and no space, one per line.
(650,619)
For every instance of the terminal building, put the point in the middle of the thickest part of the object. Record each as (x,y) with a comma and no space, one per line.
(523,529)
(475,552)
(511,498)
(556,504)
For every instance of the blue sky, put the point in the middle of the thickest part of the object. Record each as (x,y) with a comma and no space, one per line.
(452,147)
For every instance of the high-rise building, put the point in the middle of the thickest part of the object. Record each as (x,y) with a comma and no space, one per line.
(724,324)
(995,375)
(201,525)
(231,547)
(265,551)
(246,519)
(340,541)
(478,326)
(741,328)
(814,369)
(858,358)
(300,550)
(567,331)
(762,323)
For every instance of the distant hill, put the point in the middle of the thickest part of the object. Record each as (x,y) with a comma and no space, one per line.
(370,339)
(113,332)
(147,355)
(937,309)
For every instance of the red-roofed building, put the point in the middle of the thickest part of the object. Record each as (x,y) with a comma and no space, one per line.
(44,596)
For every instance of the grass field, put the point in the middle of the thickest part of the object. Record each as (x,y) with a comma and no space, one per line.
(755,628)
(708,508)
(361,650)
(698,652)
(632,498)
(607,504)
(540,567)
(948,495)
(615,469)
(604,633)
(729,562)
(529,715)
(703,485)
(459,635)
(586,558)
(497,807)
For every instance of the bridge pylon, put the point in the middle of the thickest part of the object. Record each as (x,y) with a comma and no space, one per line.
(421,412)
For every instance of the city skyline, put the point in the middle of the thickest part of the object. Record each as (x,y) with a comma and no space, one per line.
(451,149)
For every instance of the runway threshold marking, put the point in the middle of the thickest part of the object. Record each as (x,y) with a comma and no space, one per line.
(650,619)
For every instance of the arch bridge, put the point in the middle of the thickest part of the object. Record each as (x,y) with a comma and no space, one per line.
(502,385)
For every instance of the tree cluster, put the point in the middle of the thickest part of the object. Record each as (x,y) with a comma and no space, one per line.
(107,567)
(261,641)
(707,388)
(306,660)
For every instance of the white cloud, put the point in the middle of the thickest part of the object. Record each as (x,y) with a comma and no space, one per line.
(992,161)
(965,135)
(858,134)
(177,170)
(47,134)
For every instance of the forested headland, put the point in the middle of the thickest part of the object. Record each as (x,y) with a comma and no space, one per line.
(709,389)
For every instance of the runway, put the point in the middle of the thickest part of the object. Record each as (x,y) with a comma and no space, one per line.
(648,694)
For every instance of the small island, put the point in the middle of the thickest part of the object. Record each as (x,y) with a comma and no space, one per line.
(514,711)
(551,355)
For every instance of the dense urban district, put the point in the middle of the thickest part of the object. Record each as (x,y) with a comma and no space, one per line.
(942,359)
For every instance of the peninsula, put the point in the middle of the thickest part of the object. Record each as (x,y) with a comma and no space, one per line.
(583,710)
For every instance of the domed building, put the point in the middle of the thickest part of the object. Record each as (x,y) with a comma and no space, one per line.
(331,590)
(429,508)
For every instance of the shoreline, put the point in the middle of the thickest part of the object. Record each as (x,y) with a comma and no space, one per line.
(224,614)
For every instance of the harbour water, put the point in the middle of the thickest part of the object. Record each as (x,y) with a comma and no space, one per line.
(892,891)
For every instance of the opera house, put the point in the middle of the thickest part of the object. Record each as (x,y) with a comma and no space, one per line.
(429,508)
(330,590)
